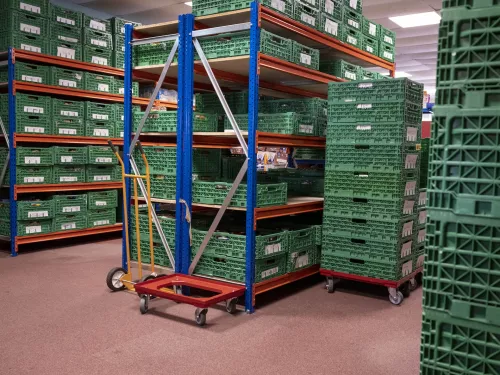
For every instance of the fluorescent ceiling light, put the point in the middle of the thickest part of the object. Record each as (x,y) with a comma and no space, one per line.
(399,74)
(417,19)
(189,3)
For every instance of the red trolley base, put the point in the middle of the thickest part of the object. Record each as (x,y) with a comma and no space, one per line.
(397,289)
(170,287)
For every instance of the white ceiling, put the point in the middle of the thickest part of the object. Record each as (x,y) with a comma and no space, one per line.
(416,48)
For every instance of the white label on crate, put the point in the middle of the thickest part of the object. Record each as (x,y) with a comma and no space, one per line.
(68,226)
(411,161)
(365,85)
(102,87)
(372,29)
(123,30)
(269,272)
(363,175)
(363,127)
(422,217)
(121,134)
(350,75)
(34,129)
(331,27)
(66,159)
(67,21)
(408,207)
(67,53)
(353,24)
(308,129)
(27,47)
(422,197)
(101,203)
(329,6)
(99,60)
(101,132)
(101,222)
(388,55)
(98,116)
(97,42)
(407,229)
(68,179)
(308,19)
(31,79)
(67,39)
(30,109)
(71,209)
(66,83)
(69,113)
(364,106)
(312,2)
(407,268)
(353,4)
(33,179)
(352,40)
(38,214)
(406,249)
(278,4)
(123,49)
(97,25)
(33,229)
(302,261)
(32,160)
(30,8)
(102,178)
(29,29)
(411,134)
(410,187)
(305,58)
(121,91)
(67,131)
(272,248)
(78,77)
(369,49)
(103,160)
(388,39)
(420,261)
(123,118)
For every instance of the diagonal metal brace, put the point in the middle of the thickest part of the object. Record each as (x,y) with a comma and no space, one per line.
(7,159)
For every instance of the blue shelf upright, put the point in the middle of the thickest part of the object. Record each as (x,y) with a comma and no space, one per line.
(12,154)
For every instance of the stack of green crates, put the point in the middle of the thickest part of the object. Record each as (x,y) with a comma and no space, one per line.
(371,178)
(300,182)
(102,207)
(461,273)
(118,31)
(66,39)
(97,41)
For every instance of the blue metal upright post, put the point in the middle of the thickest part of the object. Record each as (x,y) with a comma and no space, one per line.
(179,207)
(187,68)
(127,127)
(12,161)
(253,107)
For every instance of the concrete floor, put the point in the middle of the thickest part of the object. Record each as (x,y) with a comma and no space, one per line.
(58,317)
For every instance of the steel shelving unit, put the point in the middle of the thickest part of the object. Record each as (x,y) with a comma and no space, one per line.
(13,139)
(260,74)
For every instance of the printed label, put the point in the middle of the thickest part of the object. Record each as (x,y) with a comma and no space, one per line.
(38,214)
(33,109)
(101,203)
(67,53)
(66,83)
(66,159)
(101,222)
(278,4)
(406,249)
(34,129)
(388,39)
(121,91)
(421,235)
(68,179)
(369,49)
(97,25)
(407,229)
(305,58)
(123,118)
(123,30)
(103,160)
(32,160)
(353,24)
(408,207)
(353,4)
(102,178)
(68,226)
(101,132)
(102,87)
(388,55)
(372,29)
(422,197)
(121,134)
(422,217)
(97,42)
(67,21)
(312,2)
(301,261)
(31,79)
(29,29)
(350,75)
(269,272)
(365,85)
(308,129)
(99,60)
(69,113)
(67,131)
(67,39)
(410,188)
(407,268)
(363,127)
(33,179)
(29,8)
(331,27)
(272,248)
(71,209)
(329,6)
(34,229)
(308,19)
(411,134)
(420,260)
(411,161)
(352,40)
(364,106)
(98,116)
(27,47)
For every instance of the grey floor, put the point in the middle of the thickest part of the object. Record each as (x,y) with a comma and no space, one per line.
(58,317)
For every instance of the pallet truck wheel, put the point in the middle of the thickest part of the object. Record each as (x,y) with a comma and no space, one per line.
(200,315)
(405,289)
(113,279)
(330,285)
(418,278)
(144,304)
(231,305)
(398,299)
(413,284)
(146,278)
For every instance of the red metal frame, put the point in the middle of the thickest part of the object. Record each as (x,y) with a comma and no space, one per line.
(224,291)
(61,139)
(51,188)
(286,210)
(370,280)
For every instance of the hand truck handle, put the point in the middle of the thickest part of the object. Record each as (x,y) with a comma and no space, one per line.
(139,146)
(112,146)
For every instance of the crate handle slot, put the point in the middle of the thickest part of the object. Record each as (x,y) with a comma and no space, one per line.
(270,261)
(220,260)
(272,239)
(222,238)
(357,261)
(359,221)
(362,147)
(304,234)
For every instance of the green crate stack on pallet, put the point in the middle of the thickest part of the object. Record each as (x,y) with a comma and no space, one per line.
(461,274)
(371,177)
(66,38)
(118,32)
(300,182)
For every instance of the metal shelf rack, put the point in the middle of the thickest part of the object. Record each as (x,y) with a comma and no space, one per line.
(261,74)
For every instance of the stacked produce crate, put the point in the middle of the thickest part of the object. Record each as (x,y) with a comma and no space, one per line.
(461,326)
(66,37)
(371,178)
(118,30)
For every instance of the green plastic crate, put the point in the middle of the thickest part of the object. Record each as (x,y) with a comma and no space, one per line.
(40,156)
(98,82)
(308,153)
(160,255)
(387,36)
(64,204)
(205,122)
(27,42)
(276,46)
(99,128)
(167,222)
(353,19)
(352,36)
(68,108)
(68,126)
(69,174)
(153,53)
(33,175)
(119,43)
(318,236)
(66,77)
(102,199)
(333,8)
(66,17)
(27,123)
(25,23)
(231,165)
(96,24)
(387,52)
(284,7)
(70,155)
(34,209)
(30,73)
(36,7)
(157,121)
(314,106)
(331,26)
(301,237)
(370,44)
(118,59)
(206,7)
(33,104)
(5,228)
(470,4)
(163,186)
(100,112)
(305,56)
(100,155)
(68,50)
(70,222)
(369,76)
(356,5)
(301,258)
(65,34)
(371,29)
(341,69)
(97,39)
(100,217)
(4,75)
(306,14)
(97,55)
(281,123)
(101,173)
(118,25)
(34,227)
(118,87)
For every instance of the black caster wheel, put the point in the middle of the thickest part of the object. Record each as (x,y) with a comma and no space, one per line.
(413,285)
(405,289)
(146,278)
(200,315)
(396,300)
(330,285)
(144,304)
(114,279)
(231,305)
(418,278)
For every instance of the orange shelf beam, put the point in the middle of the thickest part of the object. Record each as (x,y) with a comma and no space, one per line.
(51,188)
(60,139)
(274,139)
(265,286)
(300,206)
